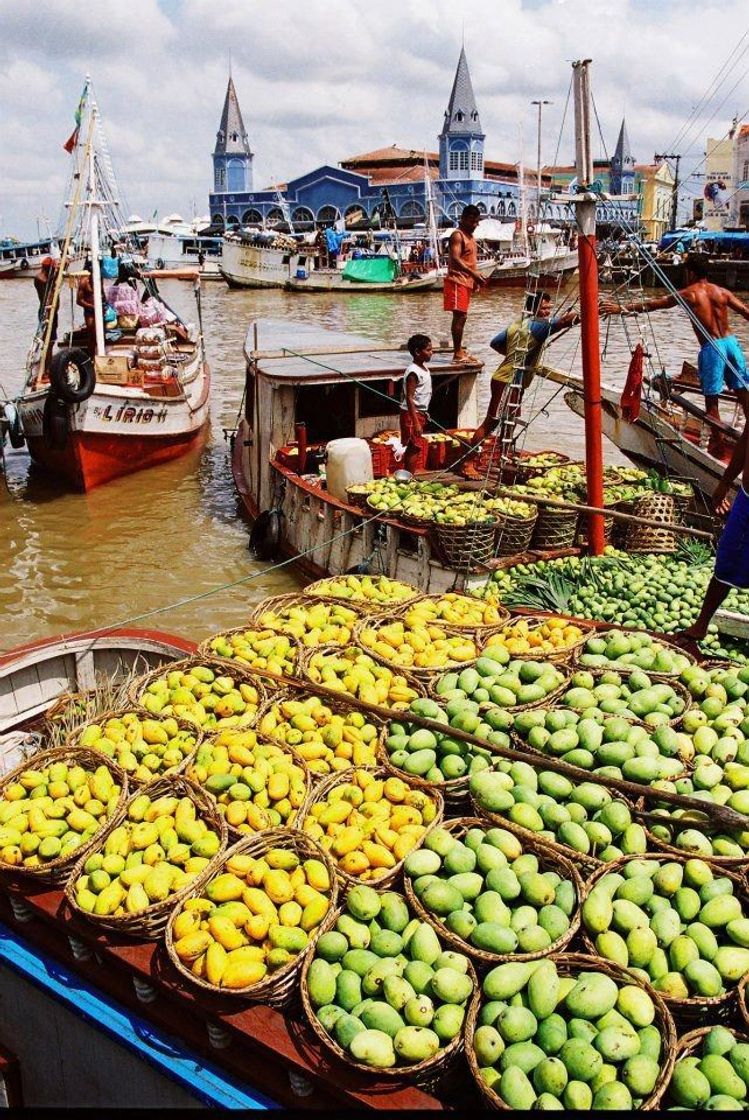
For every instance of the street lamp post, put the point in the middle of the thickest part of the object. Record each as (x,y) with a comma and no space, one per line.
(540,104)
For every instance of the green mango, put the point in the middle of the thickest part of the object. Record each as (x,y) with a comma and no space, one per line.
(346,1028)
(373,1048)
(722,1076)
(488,1045)
(505,980)
(592,996)
(516,1090)
(581,1061)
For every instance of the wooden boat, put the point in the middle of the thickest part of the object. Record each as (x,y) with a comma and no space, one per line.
(97,407)
(21,259)
(257,260)
(305,374)
(516,269)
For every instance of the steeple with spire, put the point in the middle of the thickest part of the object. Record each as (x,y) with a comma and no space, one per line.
(622,164)
(232,158)
(461,139)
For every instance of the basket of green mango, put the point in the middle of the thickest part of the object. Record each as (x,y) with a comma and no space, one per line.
(711,1071)
(570,1031)
(629,650)
(384,995)
(676,923)
(492,896)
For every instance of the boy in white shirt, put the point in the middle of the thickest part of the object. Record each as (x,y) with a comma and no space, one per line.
(417,395)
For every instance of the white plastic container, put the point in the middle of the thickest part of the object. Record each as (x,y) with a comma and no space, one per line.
(349,461)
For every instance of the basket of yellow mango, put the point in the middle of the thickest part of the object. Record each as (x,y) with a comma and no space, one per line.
(421,649)
(247,930)
(313,623)
(369,821)
(554,638)
(451,608)
(356,674)
(254,648)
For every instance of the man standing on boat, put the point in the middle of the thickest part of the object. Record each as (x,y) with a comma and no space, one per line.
(463,278)
(721,362)
(521,344)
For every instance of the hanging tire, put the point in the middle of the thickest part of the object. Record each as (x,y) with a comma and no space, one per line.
(24,265)
(55,423)
(13,422)
(159,263)
(265,537)
(72,376)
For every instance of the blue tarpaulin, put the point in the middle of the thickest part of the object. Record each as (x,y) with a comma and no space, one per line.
(721,239)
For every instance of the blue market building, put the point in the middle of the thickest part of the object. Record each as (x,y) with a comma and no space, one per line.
(384,183)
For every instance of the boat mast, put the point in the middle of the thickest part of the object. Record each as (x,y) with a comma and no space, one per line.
(585,212)
(94,238)
(431,217)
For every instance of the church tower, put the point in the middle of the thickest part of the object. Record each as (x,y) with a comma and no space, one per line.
(232,158)
(461,139)
(622,165)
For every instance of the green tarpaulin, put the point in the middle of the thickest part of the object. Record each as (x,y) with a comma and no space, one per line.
(371,270)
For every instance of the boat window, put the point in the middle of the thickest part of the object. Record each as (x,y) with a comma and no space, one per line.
(372,404)
(329,411)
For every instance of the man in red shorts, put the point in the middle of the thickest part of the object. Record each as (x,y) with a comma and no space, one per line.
(462,278)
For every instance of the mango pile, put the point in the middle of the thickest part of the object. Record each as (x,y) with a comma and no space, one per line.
(438,756)
(257,649)
(204,696)
(359,675)
(253,918)
(631,695)
(607,745)
(144,748)
(382,986)
(257,785)
(548,1040)
(326,740)
(715,1076)
(160,847)
(421,647)
(454,610)
(49,811)
(678,925)
(312,623)
(581,816)
(495,678)
(367,591)
(489,892)
(632,651)
(425,498)
(368,824)
(530,636)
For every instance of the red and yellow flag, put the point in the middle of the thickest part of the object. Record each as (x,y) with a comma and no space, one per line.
(72,140)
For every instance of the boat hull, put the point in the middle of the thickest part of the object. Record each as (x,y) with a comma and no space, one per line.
(254,266)
(334,282)
(113,434)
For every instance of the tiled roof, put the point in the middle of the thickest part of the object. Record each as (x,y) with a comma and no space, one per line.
(231,138)
(462,115)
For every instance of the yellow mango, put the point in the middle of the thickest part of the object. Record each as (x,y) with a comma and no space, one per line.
(348,841)
(258,902)
(257,819)
(137,900)
(317,874)
(354,863)
(314,913)
(242,973)
(200,906)
(193,945)
(290,914)
(403,845)
(378,855)
(109,899)
(239,864)
(282,859)
(215,963)
(132,875)
(225,932)
(157,883)
(187,921)
(225,888)
(197,968)
(257,926)
(403,815)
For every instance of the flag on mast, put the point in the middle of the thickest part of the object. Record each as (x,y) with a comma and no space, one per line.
(72,140)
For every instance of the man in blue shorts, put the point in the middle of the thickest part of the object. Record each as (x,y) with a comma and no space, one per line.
(721,362)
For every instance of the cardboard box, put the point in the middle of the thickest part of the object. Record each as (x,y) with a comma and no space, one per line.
(112,369)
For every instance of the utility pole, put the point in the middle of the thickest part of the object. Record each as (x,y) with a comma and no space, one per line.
(675,197)
(540,104)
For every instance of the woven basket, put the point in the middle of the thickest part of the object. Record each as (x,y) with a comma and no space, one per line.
(548,860)
(669,678)
(743,1001)
(355,496)
(525,470)
(278,988)
(453,791)
(736,864)
(184,726)
(392,875)
(581,534)
(561,656)
(281,603)
(676,685)
(465,548)
(337,705)
(713,1009)
(413,670)
(514,534)
(216,664)
(547,700)
(204,649)
(427,1074)
(687,1046)
(235,832)
(571,964)
(643,538)
(342,654)
(319,588)
(554,528)
(150,923)
(471,627)
(56,871)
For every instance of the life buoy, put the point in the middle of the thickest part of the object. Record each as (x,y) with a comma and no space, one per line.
(55,423)
(265,537)
(24,265)
(159,263)
(531,228)
(13,421)
(78,387)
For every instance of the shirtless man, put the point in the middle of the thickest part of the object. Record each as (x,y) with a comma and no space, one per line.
(462,278)
(721,361)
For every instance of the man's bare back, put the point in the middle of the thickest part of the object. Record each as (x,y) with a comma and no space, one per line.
(709,303)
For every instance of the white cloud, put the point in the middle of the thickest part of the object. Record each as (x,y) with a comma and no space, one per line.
(320,80)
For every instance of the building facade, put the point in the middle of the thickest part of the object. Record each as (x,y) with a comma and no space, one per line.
(655,185)
(739,200)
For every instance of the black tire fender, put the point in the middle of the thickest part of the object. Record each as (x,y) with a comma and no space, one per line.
(265,538)
(72,392)
(15,430)
(160,263)
(55,423)
(24,265)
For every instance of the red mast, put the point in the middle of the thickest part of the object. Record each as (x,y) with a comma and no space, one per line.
(585,207)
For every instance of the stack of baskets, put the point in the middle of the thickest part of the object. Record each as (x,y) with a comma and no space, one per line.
(554,528)
(514,534)
(645,538)
(466,548)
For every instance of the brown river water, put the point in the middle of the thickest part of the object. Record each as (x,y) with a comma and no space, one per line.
(149,541)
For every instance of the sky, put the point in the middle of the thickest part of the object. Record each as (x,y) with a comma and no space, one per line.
(321,80)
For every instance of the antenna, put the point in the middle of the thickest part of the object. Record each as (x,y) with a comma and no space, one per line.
(229,61)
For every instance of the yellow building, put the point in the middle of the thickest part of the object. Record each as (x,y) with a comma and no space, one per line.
(656,188)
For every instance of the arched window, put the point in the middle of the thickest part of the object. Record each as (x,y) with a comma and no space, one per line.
(500,209)
(459,116)
(217,220)
(302,214)
(511,211)
(252,218)
(232,222)
(274,216)
(454,210)
(481,207)
(235,175)
(354,213)
(412,209)
(328,214)
(458,157)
